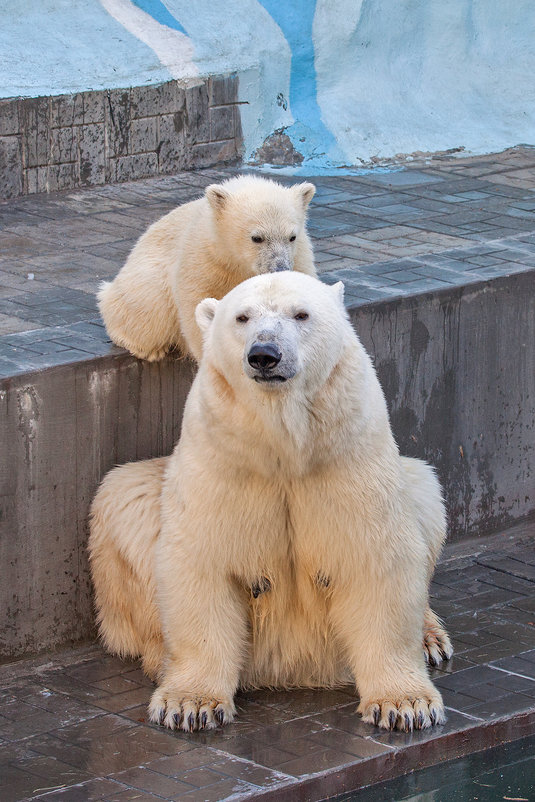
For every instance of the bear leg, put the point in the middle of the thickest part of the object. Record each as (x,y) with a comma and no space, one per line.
(381,632)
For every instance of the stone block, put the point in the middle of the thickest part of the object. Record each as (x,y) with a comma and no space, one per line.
(172,152)
(207,154)
(63,176)
(9,117)
(140,165)
(222,123)
(149,101)
(35,128)
(92,154)
(143,135)
(118,117)
(197,118)
(79,109)
(10,167)
(35,180)
(223,90)
(63,145)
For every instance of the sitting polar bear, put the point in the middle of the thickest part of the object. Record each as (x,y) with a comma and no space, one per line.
(245,226)
(285,543)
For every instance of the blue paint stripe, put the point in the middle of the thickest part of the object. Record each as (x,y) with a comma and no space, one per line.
(295,19)
(160,13)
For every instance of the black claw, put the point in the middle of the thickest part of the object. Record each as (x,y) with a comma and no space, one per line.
(433,716)
(376,716)
(432,661)
(176,719)
(392,717)
(191,722)
(162,716)
(408,723)
(204,720)
(420,720)
(220,716)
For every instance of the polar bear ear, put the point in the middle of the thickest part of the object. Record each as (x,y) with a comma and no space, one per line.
(217,196)
(305,192)
(338,290)
(204,313)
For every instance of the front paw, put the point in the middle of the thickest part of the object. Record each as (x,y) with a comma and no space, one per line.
(188,712)
(406,714)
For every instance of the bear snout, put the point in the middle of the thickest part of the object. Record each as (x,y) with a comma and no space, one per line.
(279,265)
(264,356)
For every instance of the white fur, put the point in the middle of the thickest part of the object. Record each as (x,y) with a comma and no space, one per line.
(298,484)
(200,249)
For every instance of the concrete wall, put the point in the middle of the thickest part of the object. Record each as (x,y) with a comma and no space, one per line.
(457,370)
(349,81)
(103,137)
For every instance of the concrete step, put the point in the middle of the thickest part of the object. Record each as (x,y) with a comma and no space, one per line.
(74,723)
(448,318)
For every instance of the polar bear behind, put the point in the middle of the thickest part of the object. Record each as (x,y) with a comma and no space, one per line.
(246,226)
(290,544)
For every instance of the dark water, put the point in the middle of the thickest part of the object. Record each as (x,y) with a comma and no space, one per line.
(504,773)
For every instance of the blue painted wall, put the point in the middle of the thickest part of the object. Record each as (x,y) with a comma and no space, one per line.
(348,80)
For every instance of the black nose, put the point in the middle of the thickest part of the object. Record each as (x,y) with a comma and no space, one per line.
(280,265)
(264,356)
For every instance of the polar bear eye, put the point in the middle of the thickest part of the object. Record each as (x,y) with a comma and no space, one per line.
(301,316)
(242,319)
(257,238)
(293,238)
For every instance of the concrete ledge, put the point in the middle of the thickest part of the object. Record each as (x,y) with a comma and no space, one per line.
(455,366)
(106,137)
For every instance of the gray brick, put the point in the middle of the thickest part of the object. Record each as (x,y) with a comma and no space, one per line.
(143,135)
(62,176)
(197,120)
(222,123)
(223,90)
(172,152)
(209,153)
(149,101)
(35,127)
(118,116)
(10,167)
(63,145)
(92,154)
(78,109)
(9,117)
(137,166)
(36,180)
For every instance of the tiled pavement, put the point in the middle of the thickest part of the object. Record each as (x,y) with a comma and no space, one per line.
(73,725)
(441,222)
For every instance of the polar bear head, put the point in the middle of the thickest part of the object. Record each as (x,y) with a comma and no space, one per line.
(275,332)
(259,224)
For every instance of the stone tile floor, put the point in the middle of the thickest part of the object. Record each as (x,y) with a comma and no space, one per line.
(73,725)
(442,222)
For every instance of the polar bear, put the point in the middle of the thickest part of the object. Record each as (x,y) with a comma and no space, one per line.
(285,542)
(240,228)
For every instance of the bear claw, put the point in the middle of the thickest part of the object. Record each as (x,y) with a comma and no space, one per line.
(406,715)
(189,715)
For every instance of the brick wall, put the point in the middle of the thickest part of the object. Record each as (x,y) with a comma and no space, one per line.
(105,137)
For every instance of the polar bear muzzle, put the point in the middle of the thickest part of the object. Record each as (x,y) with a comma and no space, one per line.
(267,363)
